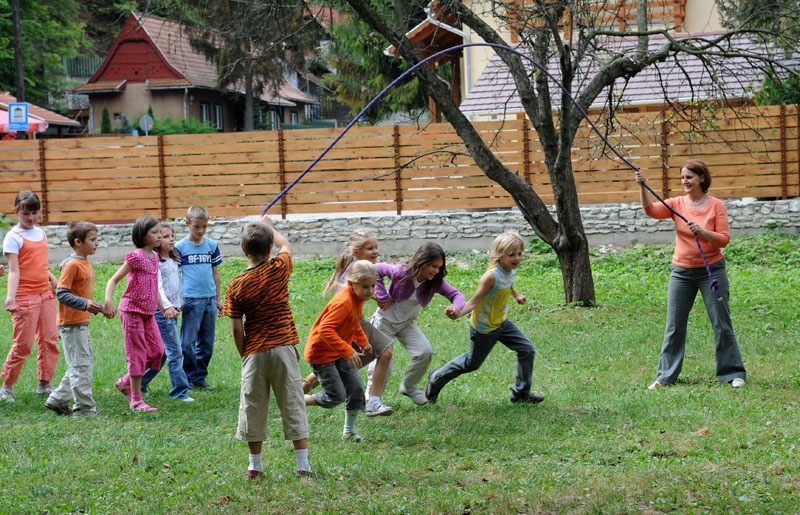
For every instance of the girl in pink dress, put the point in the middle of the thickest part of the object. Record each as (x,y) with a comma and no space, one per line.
(143,345)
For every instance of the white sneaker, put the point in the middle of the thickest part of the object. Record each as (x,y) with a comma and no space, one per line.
(187,399)
(378,409)
(6,394)
(655,386)
(416,395)
(738,382)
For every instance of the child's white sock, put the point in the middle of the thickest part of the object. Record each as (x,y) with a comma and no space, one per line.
(256,463)
(350,417)
(302,459)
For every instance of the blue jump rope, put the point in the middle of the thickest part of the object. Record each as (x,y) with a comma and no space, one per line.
(714,285)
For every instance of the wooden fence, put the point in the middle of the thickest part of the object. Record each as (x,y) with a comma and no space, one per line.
(752,153)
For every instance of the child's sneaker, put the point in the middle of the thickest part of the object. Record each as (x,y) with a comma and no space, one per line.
(142,406)
(351,437)
(305,473)
(378,409)
(6,394)
(186,398)
(44,389)
(57,407)
(528,397)
(124,389)
(416,395)
(252,474)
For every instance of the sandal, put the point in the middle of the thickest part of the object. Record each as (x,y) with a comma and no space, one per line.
(142,406)
(124,389)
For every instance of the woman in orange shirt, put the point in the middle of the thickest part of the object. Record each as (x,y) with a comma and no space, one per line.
(708,222)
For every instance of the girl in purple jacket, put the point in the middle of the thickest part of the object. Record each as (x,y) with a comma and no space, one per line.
(411,287)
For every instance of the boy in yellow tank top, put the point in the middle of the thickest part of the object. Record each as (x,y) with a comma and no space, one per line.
(489,323)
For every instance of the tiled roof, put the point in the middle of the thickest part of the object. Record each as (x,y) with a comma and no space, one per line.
(684,79)
(41,113)
(174,45)
(102,86)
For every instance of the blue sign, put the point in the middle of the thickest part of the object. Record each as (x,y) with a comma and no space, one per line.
(18,116)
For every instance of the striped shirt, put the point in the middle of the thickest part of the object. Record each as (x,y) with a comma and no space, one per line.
(260,295)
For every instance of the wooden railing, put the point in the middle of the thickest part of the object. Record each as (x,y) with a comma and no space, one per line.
(752,153)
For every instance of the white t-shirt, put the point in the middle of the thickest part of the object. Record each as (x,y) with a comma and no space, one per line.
(13,241)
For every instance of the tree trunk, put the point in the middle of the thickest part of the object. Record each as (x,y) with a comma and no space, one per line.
(248,104)
(576,273)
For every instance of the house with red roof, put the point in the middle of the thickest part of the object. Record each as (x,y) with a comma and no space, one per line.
(153,65)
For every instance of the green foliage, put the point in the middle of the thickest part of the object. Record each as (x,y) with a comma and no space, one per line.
(105,123)
(776,91)
(600,442)
(363,70)
(189,126)
(51,31)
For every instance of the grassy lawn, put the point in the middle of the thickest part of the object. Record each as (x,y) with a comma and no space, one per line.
(600,442)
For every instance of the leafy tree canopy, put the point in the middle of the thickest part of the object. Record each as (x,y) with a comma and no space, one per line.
(50,32)
(362,70)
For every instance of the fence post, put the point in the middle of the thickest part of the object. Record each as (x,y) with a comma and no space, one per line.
(526,150)
(797,146)
(162,177)
(398,185)
(664,156)
(282,170)
(43,179)
(784,164)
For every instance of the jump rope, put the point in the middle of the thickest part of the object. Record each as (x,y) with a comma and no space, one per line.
(714,285)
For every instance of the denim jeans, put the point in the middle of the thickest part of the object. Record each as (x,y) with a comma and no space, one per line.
(173,356)
(197,337)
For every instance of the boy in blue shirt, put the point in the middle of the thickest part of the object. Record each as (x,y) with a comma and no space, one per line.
(200,288)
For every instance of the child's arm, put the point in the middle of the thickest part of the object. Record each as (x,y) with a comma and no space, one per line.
(108,308)
(280,242)
(455,297)
(69,299)
(53,282)
(237,329)
(518,297)
(13,281)
(215,274)
(486,283)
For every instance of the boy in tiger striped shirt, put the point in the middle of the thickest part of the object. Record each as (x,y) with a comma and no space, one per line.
(266,342)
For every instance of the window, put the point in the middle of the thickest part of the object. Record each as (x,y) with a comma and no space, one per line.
(205,112)
(219,121)
(293,118)
(273,120)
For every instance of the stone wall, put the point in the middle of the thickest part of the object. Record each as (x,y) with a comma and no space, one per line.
(605,224)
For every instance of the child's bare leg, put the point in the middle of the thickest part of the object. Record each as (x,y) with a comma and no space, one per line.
(136,384)
(310,382)
(380,375)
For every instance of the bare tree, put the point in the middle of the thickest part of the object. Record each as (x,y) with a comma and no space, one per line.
(592,47)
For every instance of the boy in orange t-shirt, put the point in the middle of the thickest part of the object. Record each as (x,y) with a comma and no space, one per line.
(75,307)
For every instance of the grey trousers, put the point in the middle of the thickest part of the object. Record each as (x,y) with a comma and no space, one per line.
(683,286)
(77,382)
(480,345)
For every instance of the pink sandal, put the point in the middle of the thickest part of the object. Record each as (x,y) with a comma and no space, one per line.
(124,389)
(142,406)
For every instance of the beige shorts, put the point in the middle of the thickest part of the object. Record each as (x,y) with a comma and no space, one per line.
(276,369)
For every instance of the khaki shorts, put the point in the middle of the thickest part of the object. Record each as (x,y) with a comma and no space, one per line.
(277,369)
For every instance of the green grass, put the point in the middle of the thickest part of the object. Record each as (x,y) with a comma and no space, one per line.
(600,443)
